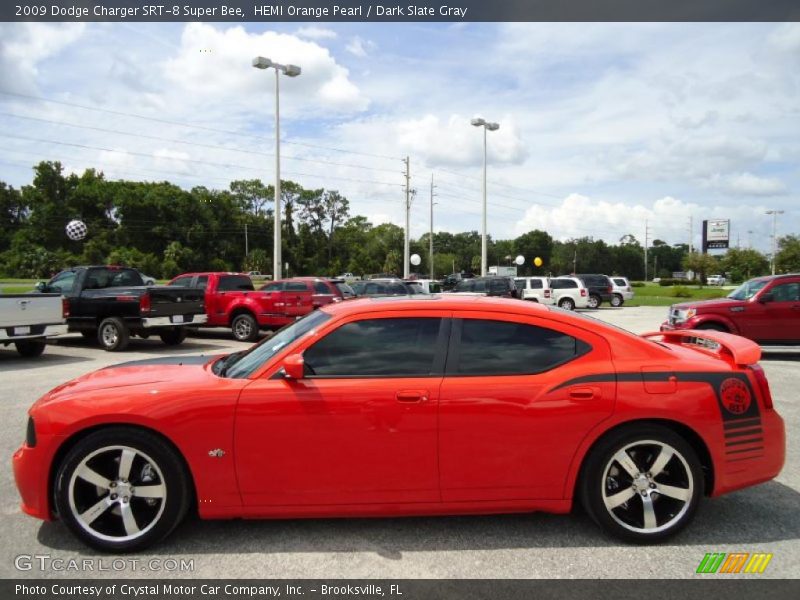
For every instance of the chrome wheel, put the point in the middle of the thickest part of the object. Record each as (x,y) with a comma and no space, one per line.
(243,329)
(616,301)
(110,335)
(117,493)
(647,486)
(594,301)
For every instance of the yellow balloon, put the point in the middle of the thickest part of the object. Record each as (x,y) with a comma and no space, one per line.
(537,261)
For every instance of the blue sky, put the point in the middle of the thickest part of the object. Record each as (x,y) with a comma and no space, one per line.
(602,126)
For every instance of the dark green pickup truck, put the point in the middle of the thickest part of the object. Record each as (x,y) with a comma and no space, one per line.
(112,303)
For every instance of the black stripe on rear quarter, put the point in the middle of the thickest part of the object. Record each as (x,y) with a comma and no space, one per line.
(743,432)
(742,424)
(747,441)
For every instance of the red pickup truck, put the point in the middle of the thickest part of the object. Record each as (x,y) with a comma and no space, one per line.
(764,309)
(323,290)
(232,301)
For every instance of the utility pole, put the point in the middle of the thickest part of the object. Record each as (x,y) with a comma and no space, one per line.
(691,233)
(246,247)
(750,239)
(575,260)
(774,214)
(406,244)
(646,244)
(431,233)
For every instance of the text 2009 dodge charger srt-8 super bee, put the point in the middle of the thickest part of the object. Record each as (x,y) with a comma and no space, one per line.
(408,406)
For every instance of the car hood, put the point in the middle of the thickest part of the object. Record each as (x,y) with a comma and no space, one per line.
(133,373)
(715,303)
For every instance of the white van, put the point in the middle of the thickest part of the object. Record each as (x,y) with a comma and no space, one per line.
(569,292)
(536,289)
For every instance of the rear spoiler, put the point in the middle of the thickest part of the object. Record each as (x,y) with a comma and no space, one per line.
(741,350)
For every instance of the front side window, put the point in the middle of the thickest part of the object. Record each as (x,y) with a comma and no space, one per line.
(563,284)
(275,286)
(491,347)
(404,347)
(235,283)
(202,282)
(62,283)
(182,282)
(295,286)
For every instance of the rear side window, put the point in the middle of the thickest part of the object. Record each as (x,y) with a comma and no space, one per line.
(295,286)
(786,292)
(98,279)
(503,348)
(563,284)
(235,283)
(182,282)
(434,288)
(498,285)
(620,282)
(320,287)
(536,284)
(276,286)
(376,347)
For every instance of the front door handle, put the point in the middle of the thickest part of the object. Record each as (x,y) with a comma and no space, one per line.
(412,396)
(582,393)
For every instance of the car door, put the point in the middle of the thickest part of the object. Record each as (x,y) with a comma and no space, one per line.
(511,413)
(360,428)
(780,316)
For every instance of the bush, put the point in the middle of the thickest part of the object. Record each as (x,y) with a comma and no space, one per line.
(668,282)
(637,284)
(680,291)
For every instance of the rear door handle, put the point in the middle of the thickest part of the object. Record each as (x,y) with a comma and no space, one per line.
(412,396)
(582,393)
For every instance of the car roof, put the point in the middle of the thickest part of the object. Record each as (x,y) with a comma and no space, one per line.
(434,301)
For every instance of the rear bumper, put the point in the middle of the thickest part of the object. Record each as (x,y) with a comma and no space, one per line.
(148,322)
(737,471)
(8,334)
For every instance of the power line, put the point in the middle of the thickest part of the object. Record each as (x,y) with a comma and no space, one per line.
(197,144)
(193,126)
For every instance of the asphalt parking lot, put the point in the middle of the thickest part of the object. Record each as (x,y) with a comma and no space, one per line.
(761,519)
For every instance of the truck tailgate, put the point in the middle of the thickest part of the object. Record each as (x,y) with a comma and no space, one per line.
(167,301)
(30,309)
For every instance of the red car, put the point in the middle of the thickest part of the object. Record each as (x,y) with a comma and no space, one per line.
(232,301)
(764,309)
(408,406)
(323,290)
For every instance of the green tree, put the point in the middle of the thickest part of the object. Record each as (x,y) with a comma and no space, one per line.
(701,264)
(741,264)
(787,259)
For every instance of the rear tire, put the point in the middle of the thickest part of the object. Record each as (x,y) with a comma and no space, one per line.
(113,334)
(30,348)
(121,489)
(245,328)
(595,301)
(567,304)
(173,337)
(617,301)
(642,483)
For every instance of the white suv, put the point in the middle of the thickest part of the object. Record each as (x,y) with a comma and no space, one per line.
(622,290)
(536,289)
(569,293)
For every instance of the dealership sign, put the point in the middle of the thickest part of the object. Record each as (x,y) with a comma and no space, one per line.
(716,233)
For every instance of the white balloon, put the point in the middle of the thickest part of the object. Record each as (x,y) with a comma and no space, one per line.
(415,260)
(76,230)
(520,260)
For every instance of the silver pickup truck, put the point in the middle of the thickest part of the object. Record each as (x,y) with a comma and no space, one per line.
(27,320)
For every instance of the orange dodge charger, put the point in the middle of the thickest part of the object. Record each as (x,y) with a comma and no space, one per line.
(408,406)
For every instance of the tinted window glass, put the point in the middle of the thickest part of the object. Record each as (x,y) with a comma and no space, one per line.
(398,289)
(273,287)
(435,288)
(235,283)
(296,286)
(498,285)
(562,284)
(786,292)
(620,282)
(520,283)
(202,282)
(536,284)
(182,282)
(345,290)
(387,347)
(62,282)
(98,279)
(504,348)
(465,285)
(320,287)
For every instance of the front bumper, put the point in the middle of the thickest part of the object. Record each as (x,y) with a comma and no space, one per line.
(31,475)
(148,322)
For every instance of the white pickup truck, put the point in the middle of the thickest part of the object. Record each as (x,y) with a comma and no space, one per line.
(27,320)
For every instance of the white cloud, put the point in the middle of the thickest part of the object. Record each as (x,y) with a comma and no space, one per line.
(747,184)
(359,47)
(314,32)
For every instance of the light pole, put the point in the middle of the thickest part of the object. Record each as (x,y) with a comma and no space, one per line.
(774,214)
(479,122)
(259,62)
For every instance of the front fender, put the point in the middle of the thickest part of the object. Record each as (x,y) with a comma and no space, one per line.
(717,318)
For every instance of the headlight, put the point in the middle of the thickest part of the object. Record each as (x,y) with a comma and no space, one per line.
(684,314)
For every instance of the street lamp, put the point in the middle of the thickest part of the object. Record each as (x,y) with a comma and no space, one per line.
(486,127)
(259,62)
(774,214)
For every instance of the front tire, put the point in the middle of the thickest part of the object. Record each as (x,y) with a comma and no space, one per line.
(595,301)
(245,328)
(617,301)
(642,484)
(30,348)
(173,337)
(121,489)
(113,334)
(712,327)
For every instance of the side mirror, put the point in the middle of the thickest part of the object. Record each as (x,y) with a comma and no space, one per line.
(294,366)
(767,297)
(41,286)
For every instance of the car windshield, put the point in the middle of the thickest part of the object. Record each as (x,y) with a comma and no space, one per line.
(241,365)
(747,290)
